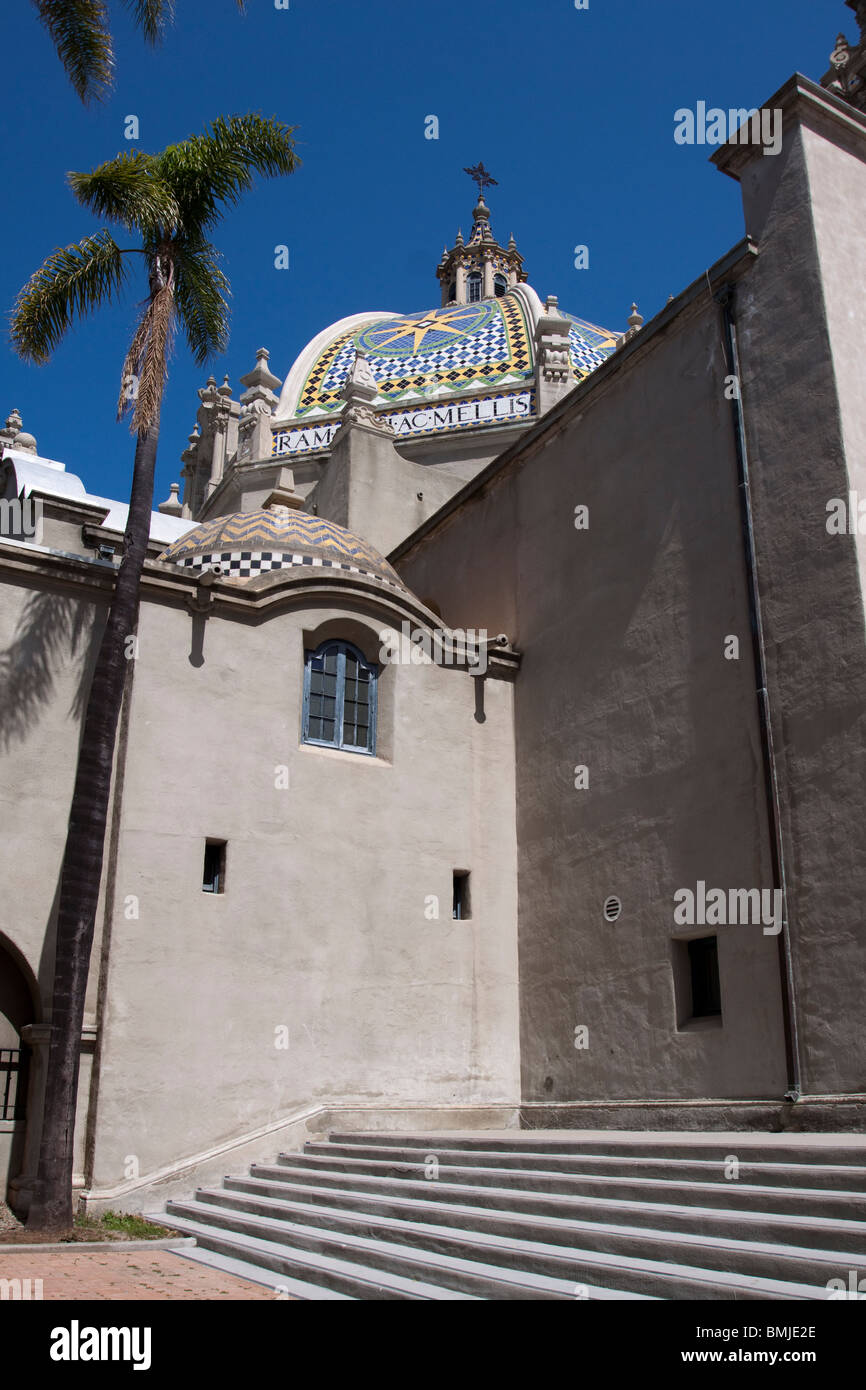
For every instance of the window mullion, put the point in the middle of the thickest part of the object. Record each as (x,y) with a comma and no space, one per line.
(372,712)
(341,695)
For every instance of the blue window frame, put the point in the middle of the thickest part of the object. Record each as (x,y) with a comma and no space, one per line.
(340,698)
(473,284)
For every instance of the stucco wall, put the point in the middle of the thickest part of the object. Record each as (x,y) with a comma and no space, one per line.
(322,927)
(802,317)
(48,636)
(622,629)
(371,489)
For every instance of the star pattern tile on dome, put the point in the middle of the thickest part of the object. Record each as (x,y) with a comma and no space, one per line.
(287,536)
(479,343)
(416,334)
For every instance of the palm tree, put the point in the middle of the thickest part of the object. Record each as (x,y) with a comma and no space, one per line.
(171,201)
(79,32)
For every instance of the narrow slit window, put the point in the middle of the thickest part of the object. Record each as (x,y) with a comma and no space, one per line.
(461,909)
(704,971)
(214,873)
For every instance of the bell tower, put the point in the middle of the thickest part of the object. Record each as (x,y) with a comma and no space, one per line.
(480,268)
(846,76)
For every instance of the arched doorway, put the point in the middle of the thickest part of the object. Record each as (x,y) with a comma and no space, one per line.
(18,1009)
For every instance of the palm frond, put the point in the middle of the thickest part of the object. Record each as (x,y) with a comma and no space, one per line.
(79,32)
(211,171)
(152,17)
(201,293)
(153,371)
(132,366)
(72,282)
(128,190)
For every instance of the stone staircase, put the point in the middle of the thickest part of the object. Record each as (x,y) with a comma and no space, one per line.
(543,1215)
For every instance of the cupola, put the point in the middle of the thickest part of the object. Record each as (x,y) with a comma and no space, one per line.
(480,268)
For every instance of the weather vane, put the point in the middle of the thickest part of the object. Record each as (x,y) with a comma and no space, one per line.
(481,177)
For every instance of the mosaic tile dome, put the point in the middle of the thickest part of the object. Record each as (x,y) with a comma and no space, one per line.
(246,544)
(433,353)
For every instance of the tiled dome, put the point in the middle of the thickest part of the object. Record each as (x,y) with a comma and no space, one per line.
(246,544)
(435,353)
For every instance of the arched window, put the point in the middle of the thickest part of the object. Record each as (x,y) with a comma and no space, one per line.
(340,698)
(473,286)
(452,292)
(500,285)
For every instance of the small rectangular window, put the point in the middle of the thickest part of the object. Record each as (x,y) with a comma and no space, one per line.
(214,874)
(461,905)
(704,972)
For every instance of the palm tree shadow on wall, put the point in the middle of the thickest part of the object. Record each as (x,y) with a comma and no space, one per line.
(53,631)
(55,634)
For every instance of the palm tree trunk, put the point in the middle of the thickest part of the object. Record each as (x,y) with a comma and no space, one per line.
(51,1206)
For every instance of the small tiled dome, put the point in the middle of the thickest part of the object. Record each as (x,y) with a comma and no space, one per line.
(246,544)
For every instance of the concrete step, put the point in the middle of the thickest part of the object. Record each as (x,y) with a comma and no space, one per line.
(385,1195)
(257,1274)
(847,1178)
(453,1276)
(541,1215)
(518,1276)
(812,1149)
(746,1196)
(541,1244)
(333,1274)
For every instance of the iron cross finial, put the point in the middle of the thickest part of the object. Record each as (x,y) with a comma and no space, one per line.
(481,177)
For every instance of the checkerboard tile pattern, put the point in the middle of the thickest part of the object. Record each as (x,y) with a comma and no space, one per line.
(590,346)
(247,564)
(277,532)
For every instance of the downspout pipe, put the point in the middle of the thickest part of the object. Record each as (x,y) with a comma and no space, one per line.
(725,298)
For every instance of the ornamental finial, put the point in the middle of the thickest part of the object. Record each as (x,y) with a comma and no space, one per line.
(481,177)
(846,76)
(13,426)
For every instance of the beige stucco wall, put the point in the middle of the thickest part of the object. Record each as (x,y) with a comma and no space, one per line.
(322,928)
(44,640)
(370,489)
(48,632)
(622,629)
(326,927)
(802,320)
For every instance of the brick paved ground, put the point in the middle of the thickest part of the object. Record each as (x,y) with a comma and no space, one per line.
(141,1275)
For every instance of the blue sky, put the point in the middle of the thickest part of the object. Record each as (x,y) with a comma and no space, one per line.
(571,110)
